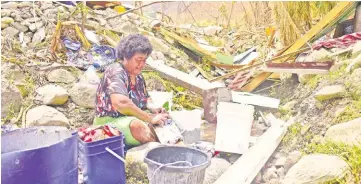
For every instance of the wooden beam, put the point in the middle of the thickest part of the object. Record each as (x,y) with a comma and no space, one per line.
(245,169)
(296,70)
(258,64)
(183,79)
(357,19)
(332,15)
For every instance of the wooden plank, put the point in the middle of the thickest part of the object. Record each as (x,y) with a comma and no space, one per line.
(252,99)
(333,14)
(234,123)
(357,19)
(296,70)
(183,79)
(245,169)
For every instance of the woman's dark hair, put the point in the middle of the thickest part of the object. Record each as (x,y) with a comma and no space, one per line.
(132,44)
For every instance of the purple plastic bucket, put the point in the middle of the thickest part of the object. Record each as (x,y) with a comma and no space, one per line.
(41,155)
(101,161)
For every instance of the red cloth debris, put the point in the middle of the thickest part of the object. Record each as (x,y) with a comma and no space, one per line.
(97,133)
(341,42)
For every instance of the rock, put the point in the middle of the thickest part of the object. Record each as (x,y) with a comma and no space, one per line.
(330,92)
(30,21)
(304,78)
(135,167)
(318,56)
(35,26)
(274,181)
(348,133)
(356,63)
(10,32)
(61,76)
(7,20)
(25,4)
(52,95)
(45,116)
(281,172)
(289,105)
(133,16)
(212,30)
(46,5)
(215,170)
(9,5)
(356,49)
(11,99)
(316,168)
(128,28)
(355,82)
(271,173)
(159,45)
(6,12)
(155,23)
(39,36)
(19,27)
(83,95)
(292,159)
(280,162)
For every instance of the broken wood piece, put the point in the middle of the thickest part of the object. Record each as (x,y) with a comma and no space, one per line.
(234,124)
(245,169)
(258,64)
(300,67)
(240,80)
(252,99)
(211,98)
(341,52)
(319,27)
(183,79)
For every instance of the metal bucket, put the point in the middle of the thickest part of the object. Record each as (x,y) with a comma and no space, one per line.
(42,155)
(176,165)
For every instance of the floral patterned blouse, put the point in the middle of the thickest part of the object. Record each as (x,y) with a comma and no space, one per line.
(117,80)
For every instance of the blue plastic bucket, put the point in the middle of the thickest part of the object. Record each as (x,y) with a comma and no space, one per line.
(101,161)
(41,155)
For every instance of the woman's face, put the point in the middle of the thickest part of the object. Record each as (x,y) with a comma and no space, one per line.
(136,64)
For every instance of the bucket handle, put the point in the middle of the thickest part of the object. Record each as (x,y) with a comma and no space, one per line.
(115,154)
(169,164)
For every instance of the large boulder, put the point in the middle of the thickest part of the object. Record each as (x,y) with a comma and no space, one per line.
(45,116)
(292,159)
(20,27)
(348,133)
(10,32)
(52,95)
(316,168)
(61,76)
(83,95)
(11,99)
(136,169)
(215,170)
(330,92)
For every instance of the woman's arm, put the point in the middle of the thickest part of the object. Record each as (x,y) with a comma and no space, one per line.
(126,106)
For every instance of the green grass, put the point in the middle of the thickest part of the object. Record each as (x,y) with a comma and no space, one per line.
(351,155)
(351,112)
(293,131)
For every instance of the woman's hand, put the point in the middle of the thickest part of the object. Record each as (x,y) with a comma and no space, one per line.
(159,119)
(159,110)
